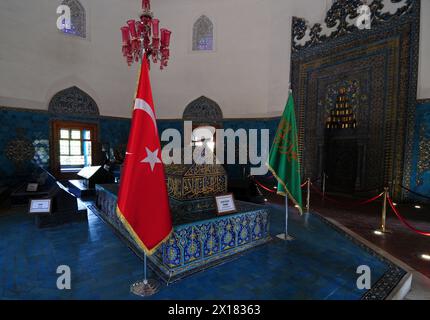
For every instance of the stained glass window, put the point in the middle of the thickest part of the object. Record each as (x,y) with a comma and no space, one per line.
(77,17)
(203,34)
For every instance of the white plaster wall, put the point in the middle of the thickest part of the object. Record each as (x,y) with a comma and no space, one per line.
(235,74)
(282,12)
(248,74)
(37,60)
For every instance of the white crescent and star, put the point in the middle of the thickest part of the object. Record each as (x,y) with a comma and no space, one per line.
(151,158)
(140,104)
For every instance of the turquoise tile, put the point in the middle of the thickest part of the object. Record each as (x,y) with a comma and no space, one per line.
(320,264)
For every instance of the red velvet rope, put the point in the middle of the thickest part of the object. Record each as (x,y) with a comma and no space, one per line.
(406,223)
(359,203)
(264,187)
(403,220)
(318,191)
(270,190)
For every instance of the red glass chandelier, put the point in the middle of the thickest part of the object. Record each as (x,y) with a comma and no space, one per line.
(145,37)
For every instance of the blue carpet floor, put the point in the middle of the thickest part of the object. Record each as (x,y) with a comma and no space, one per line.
(320,263)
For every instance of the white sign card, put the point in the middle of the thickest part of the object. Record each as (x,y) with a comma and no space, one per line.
(40,206)
(225,204)
(32,187)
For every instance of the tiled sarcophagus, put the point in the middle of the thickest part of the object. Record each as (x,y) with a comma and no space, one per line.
(201,239)
(206,240)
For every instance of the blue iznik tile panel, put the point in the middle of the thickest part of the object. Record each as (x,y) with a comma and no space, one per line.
(170,124)
(114,131)
(420,173)
(24,138)
(25,134)
(237,171)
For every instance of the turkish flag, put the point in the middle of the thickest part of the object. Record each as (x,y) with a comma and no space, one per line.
(143,203)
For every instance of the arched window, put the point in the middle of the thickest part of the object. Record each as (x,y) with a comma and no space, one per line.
(203,34)
(72,143)
(77,17)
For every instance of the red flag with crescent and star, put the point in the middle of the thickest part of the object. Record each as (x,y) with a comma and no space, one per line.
(143,203)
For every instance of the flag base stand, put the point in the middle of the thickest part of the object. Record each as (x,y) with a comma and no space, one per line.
(145,288)
(282,237)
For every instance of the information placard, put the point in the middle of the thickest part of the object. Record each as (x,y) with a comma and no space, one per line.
(225,204)
(40,206)
(32,187)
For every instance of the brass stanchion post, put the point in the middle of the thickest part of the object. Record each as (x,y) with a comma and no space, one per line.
(384,211)
(323,186)
(308,199)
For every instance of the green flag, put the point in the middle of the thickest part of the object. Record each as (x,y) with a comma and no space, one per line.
(284,160)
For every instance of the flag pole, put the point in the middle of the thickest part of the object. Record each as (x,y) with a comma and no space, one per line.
(146,287)
(286,139)
(285,236)
(145,278)
(286,217)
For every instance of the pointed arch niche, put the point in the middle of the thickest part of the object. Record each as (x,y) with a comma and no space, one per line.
(205,114)
(73,101)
